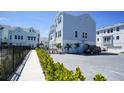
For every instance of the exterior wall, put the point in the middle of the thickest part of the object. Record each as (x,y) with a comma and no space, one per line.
(8,36)
(25,40)
(51,39)
(83,23)
(59,27)
(117,45)
(68,25)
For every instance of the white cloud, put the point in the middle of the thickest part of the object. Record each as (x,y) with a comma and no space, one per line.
(3,19)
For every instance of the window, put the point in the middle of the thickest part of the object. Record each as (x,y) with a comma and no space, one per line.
(108,31)
(59,33)
(117,29)
(10,37)
(56,34)
(75,33)
(97,39)
(117,37)
(97,33)
(50,37)
(111,30)
(1,27)
(59,20)
(31,38)
(21,37)
(15,36)
(28,37)
(105,39)
(18,37)
(34,38)
(84,35)
(104,31)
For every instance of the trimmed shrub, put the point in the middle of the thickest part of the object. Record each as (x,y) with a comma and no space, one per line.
(99,77)
(56,71)
(78,75)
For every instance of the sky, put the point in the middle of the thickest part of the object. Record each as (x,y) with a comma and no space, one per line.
(42,20)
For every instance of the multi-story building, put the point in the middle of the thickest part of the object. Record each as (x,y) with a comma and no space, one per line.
(111,38)
(71,29)
(19,36)
(44,42)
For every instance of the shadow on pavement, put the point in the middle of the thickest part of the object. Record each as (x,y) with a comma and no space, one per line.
(103,53)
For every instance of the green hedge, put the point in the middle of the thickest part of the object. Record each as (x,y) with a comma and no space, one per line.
(56,71)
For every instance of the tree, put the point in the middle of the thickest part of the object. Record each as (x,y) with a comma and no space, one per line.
(68,46)
(77,45)
(58,45)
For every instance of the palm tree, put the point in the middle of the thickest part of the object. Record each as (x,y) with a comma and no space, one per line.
(58,45)
(77,45)
(68,46)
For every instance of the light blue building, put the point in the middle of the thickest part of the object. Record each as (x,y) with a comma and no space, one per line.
(71,29)
(19,36)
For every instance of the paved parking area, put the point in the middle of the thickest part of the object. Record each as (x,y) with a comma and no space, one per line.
(112,66)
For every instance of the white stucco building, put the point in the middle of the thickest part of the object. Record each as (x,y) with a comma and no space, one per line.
(111,38)
(71,29)
(19,36)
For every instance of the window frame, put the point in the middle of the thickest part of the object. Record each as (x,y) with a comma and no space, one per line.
(117,28)
(29,38)
(10,37)
(117,37)
(21,37)
(98,39)
(15,36)
(76,34)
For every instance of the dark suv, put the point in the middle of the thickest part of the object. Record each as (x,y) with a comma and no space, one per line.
(92,49)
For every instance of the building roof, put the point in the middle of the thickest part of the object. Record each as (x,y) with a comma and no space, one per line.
(111,26)
(18,27)
(52,27)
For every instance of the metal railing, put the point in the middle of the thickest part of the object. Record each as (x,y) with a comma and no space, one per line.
(10,59)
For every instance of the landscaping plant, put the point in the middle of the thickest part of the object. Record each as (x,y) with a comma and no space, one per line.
(78,75)
(54,71)
(99,77)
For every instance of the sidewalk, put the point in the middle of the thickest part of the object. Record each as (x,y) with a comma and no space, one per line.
(32,70)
